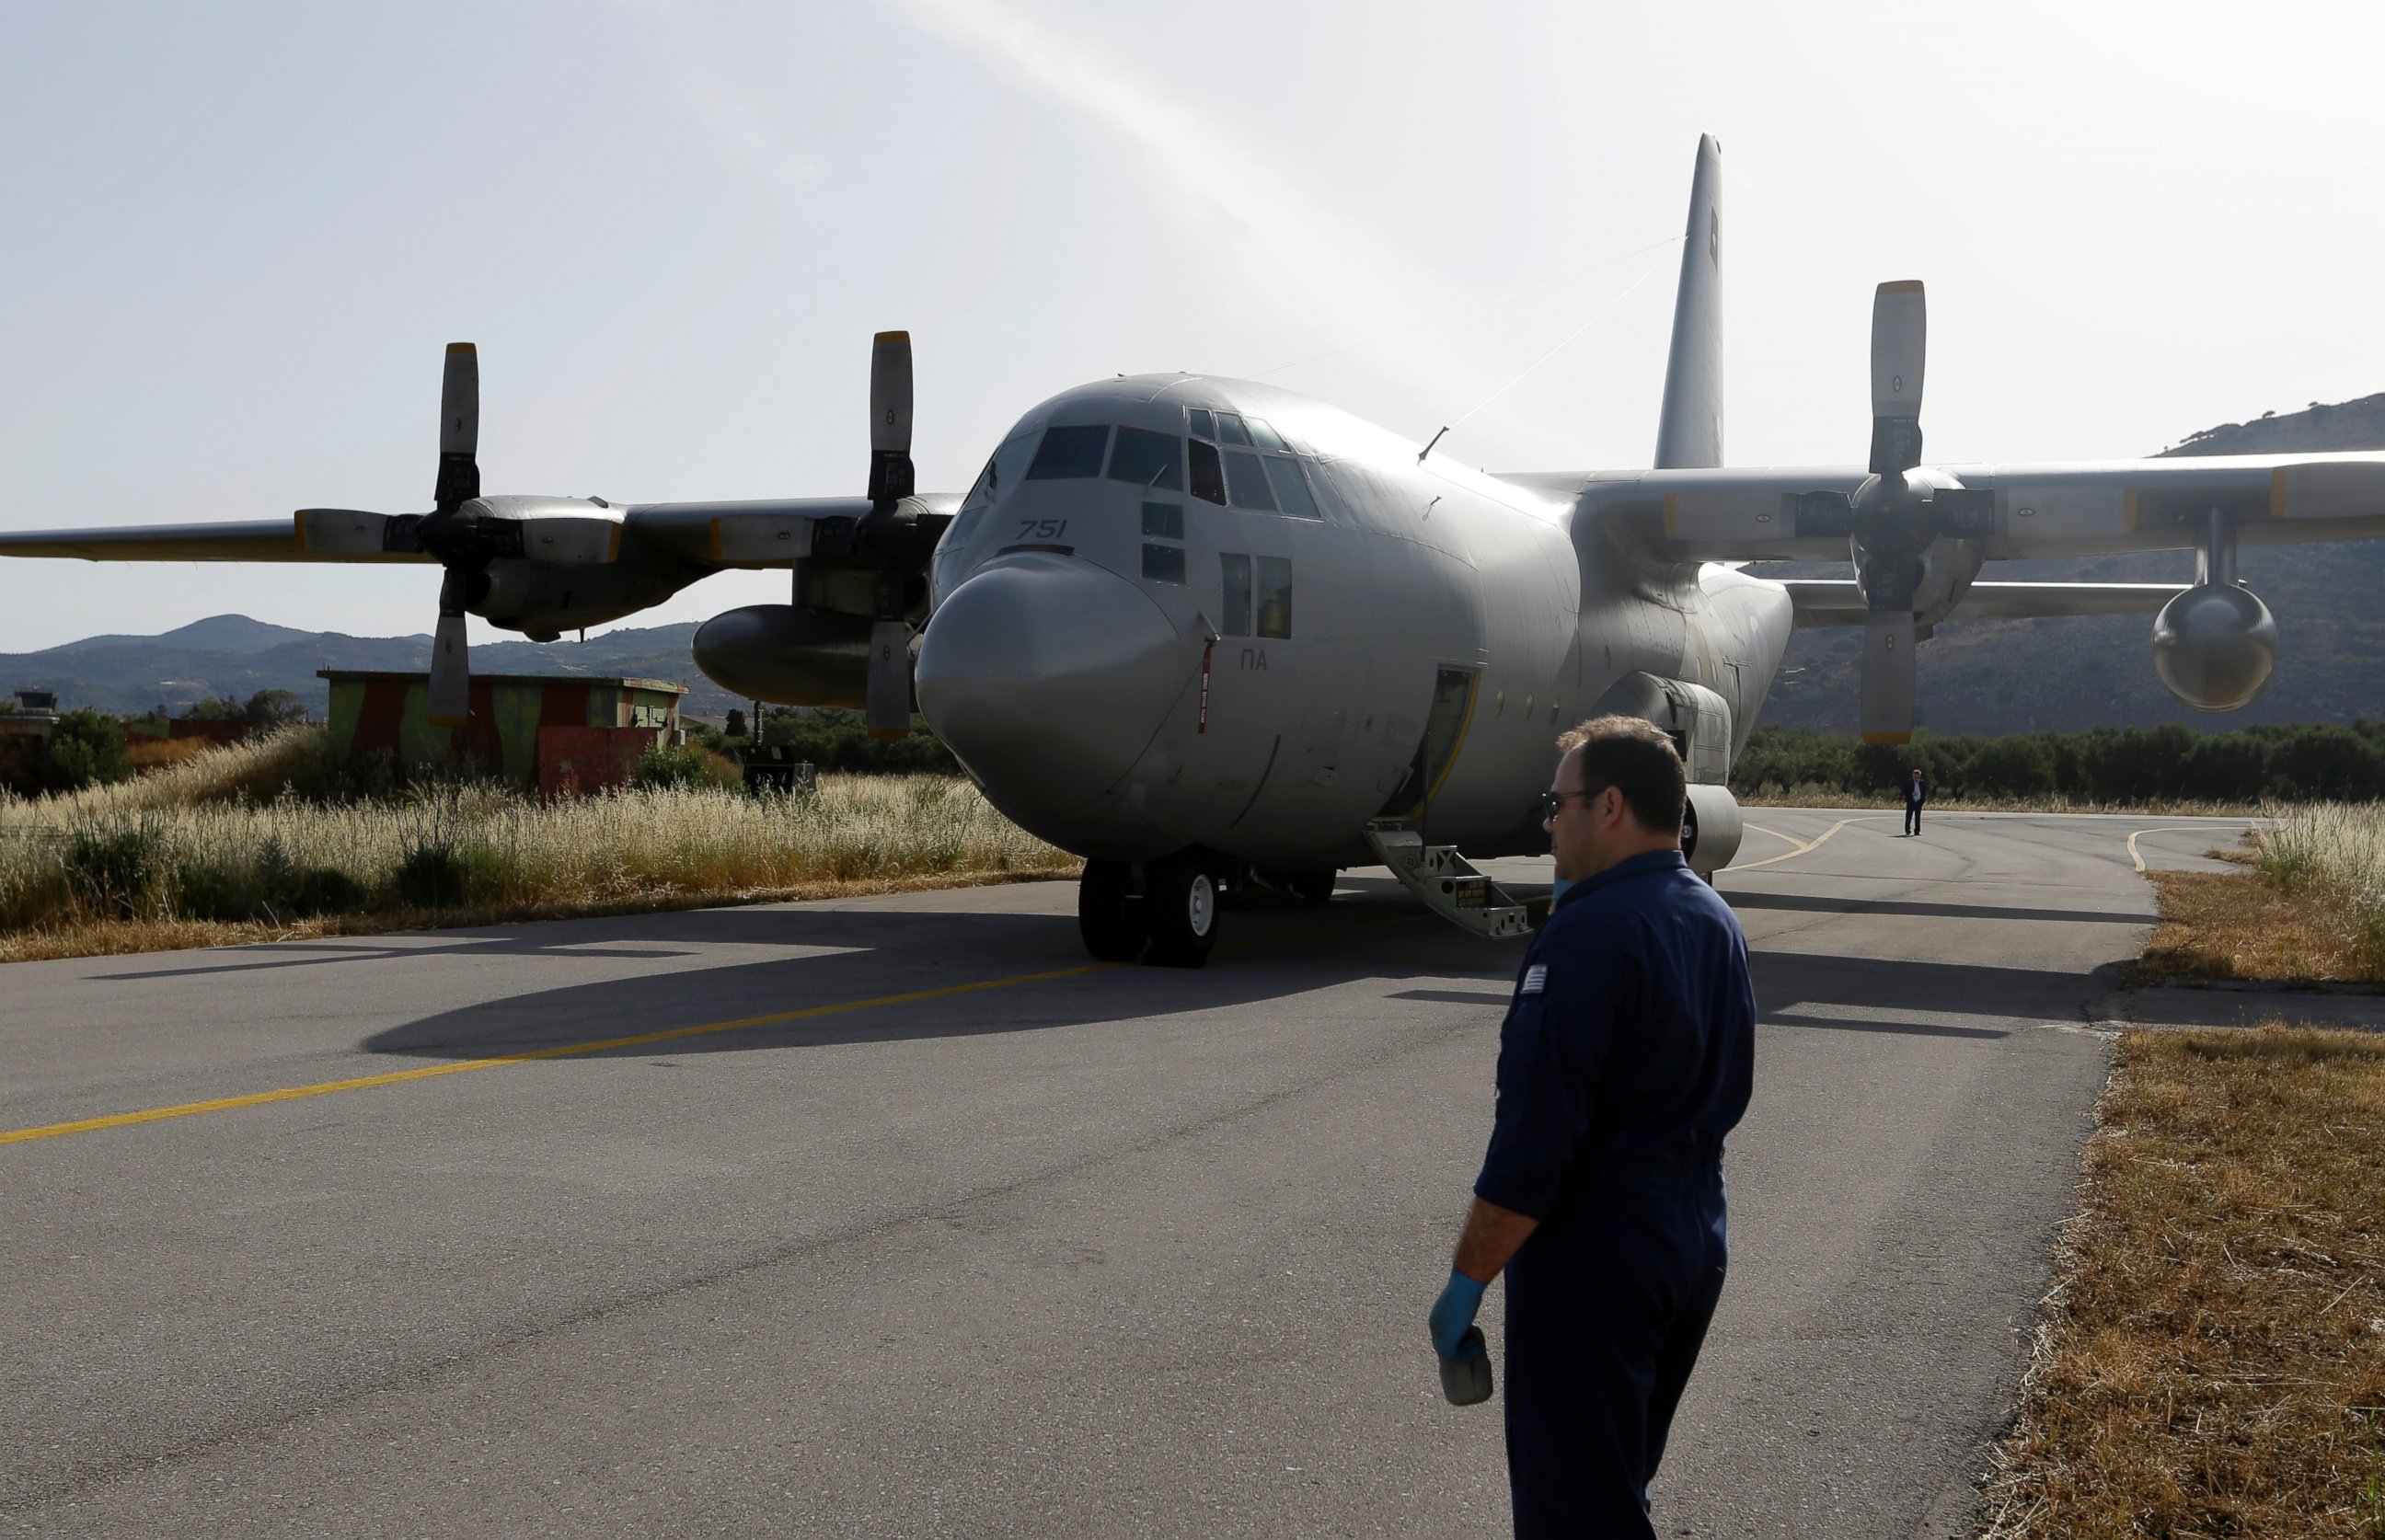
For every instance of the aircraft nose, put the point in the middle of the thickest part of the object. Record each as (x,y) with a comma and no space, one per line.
(1048,676)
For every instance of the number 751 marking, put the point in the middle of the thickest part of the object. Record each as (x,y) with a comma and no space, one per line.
(1042,528)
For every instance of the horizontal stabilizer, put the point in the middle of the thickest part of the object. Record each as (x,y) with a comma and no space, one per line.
(1838,602)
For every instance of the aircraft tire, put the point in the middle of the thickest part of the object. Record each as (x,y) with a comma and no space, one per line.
(1114,922)
(1181,895)
(1312,887)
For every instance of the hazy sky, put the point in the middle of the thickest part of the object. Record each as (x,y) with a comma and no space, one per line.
(239,235)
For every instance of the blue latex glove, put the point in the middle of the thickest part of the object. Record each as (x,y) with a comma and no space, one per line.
(1452,1312)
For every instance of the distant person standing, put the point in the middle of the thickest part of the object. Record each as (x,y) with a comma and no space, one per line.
(1916,791)
(1627,1054)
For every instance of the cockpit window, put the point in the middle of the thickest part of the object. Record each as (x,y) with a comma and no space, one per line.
(1070,453)
(1230,429)
(1291,487)
(1208,475)
(1264,436)
(1148,459)
(1203,427)
(1248,482)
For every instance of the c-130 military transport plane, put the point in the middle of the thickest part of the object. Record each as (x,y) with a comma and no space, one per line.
(1209,633)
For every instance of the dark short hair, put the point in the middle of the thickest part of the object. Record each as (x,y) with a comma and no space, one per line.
(1632,754)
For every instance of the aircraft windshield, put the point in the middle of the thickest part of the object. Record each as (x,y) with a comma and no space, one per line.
(1070,453)
(1148,459)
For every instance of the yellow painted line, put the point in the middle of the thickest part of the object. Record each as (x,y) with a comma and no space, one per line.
(2139,861)
(561,1050)
(1784,838)
(1801,850)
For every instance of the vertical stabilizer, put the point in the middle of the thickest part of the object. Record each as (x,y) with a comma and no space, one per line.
(1689,432)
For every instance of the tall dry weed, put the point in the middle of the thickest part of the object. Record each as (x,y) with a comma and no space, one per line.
(200,842)
(2336,850)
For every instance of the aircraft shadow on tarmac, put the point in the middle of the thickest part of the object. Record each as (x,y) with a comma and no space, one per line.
(1819,905)
(1269,955)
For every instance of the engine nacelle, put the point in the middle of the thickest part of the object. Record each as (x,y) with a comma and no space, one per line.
(1711,829)
(787,655)
(2214,646)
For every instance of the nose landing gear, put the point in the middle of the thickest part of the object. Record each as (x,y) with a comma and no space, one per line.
(1170,923)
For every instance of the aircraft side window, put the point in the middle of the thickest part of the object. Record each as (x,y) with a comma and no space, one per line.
(1069,454)
(1291,487)
(1275,597)
(1148,459)
(1230,429)
(1163,521)
(1236,610)
(1208,474)
(1202,427)
(1264,436)
(1248,482)
(1164,563)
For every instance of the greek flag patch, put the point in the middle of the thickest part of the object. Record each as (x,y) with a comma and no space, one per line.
(1536,978)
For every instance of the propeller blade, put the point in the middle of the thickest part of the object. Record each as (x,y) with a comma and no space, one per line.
(1900,328)
(891,474)
(1888,684)
(451,673)
(889,714)
(459,427)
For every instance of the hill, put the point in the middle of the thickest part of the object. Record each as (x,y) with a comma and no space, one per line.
(231,654)
(2063,676)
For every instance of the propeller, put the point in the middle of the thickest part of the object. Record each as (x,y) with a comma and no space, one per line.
(446,533)
(1895,516)
(891,481)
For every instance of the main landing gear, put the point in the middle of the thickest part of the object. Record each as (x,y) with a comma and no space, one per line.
(1165,911)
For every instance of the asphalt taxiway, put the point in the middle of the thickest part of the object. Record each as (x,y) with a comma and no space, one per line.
(893,1217)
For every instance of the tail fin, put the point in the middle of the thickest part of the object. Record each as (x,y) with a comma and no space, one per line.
(1689,433)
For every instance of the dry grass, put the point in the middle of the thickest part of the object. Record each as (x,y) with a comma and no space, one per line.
(120,938)
(2212,1362)
(156,754)
(2311,909)
(188,856)
(2244,926)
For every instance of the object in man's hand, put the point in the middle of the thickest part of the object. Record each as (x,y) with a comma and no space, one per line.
(1466,1379)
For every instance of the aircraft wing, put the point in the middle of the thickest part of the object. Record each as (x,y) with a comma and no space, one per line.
(2078,509)
(771,532)
(264,539)
(1838,601)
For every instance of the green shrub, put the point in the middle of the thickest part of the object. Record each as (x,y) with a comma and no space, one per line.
(440,873)
(2316,762)
(86,749)
(836,740)
(2021,766)
(118,866)
(670,765)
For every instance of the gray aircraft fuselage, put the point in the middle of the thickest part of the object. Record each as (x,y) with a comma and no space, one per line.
(1129,667)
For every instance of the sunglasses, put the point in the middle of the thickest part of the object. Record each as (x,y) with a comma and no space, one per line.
(1553,802)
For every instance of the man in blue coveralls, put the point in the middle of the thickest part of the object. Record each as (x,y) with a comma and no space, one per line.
(1627,1055)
